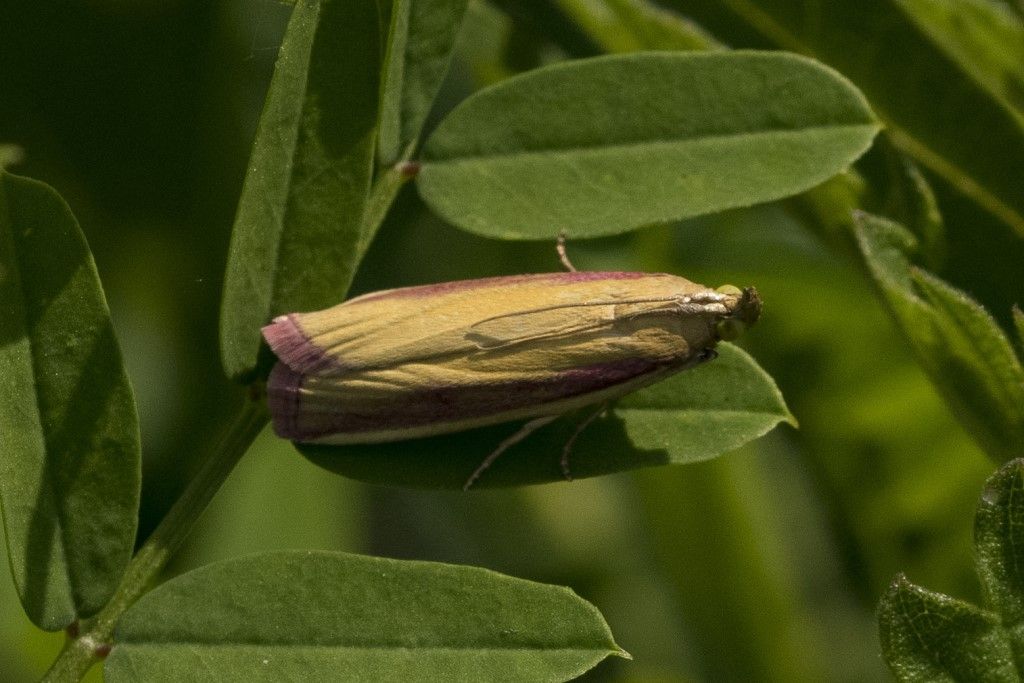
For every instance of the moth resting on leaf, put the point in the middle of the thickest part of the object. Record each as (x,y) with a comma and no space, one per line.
(434,359)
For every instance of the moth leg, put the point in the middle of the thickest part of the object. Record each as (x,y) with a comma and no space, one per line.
(562,255)
(567,449)
(523,432)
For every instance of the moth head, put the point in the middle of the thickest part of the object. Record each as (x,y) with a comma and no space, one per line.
(744,310)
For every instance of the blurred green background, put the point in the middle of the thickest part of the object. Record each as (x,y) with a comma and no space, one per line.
(763,565)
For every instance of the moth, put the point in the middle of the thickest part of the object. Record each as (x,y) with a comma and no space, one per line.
(434,359)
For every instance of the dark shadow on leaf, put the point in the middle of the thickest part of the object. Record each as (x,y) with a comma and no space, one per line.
(447,461)
(86,493)
(336,94)
(86,453)
(34,266)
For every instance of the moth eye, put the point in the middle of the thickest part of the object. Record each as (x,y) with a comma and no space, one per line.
(729,329)
(729,289)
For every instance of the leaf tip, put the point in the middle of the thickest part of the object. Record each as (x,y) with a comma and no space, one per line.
(999,484)
(899,584)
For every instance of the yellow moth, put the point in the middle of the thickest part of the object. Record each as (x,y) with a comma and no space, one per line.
(420,361)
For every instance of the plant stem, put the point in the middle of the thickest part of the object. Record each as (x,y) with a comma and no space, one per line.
(96,636)
(83,651)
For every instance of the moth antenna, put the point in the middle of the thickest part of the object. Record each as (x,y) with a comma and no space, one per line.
(562,255)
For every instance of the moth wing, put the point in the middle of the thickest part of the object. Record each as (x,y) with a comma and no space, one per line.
(353,335)
(398,331)
(551,322)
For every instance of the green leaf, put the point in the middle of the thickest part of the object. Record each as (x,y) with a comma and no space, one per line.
(420,45)
(984,37)
(69,435)
(696,415)
(300,615)
(295,243)
(961,348)
(631,25)
(905,196)
(999,548)
(606,145)
(928,636)
(918,90)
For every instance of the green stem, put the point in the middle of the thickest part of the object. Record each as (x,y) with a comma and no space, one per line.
(96,637)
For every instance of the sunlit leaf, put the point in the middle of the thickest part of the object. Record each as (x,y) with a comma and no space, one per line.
(606,145)
(304,615)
